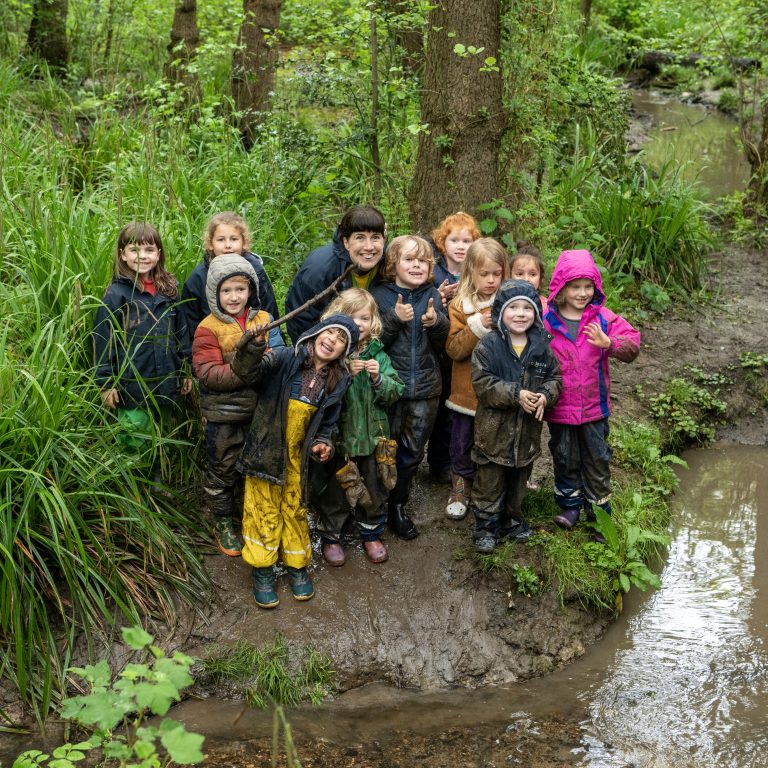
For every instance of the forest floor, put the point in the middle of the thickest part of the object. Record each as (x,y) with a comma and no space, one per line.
(429,619)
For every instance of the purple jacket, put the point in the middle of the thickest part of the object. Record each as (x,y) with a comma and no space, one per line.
(586,394)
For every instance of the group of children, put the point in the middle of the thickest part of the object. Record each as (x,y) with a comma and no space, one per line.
(452,345)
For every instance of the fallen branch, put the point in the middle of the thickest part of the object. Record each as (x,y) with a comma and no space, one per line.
(310,302)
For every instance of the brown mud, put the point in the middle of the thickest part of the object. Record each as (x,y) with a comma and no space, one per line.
(429,619)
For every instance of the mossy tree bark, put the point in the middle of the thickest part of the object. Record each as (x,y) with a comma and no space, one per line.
(182,49)
(458,155)
(47,36)
(254,63)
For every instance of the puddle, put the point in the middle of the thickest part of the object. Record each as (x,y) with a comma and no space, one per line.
(701,141)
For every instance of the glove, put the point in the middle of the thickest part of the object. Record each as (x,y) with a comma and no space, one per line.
(248,354)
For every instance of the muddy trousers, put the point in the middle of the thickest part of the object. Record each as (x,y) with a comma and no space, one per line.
(497,498)
(462,440)
(274,520)
(330,503)
(581,460)
(223,443)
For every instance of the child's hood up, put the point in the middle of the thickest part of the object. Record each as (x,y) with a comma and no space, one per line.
(512,290)
(222,268)
(576,265)
(344,322)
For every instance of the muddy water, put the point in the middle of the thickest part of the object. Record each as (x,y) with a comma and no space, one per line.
(699,140)
(681,679)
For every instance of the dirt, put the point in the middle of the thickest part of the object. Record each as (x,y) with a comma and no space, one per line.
(429,619)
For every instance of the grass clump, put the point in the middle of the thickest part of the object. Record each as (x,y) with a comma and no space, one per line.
(269,676)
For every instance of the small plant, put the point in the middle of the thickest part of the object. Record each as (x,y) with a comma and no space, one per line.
(687,412)
(526,579)
(620,554)
(754,365)
(265,675)
(116,713)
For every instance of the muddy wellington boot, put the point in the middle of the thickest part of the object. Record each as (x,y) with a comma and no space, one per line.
(567,518)
(301,583)
(265,587)
(461,487)
(227,540)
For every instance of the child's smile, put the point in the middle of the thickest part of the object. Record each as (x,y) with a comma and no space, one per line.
(411,271)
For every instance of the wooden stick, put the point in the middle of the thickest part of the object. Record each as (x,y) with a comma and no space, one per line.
(310,302)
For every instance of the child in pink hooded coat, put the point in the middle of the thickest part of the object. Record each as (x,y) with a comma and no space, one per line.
(585,335)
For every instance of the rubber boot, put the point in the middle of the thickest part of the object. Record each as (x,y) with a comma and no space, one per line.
(265,587)
(401,525)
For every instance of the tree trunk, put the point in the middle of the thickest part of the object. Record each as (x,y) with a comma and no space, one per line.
(458,156)
(182,49)
(586,11)
(408,36)
(47,36)
(254,63)
(756,200)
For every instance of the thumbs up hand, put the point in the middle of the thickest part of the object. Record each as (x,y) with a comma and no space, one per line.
(403,311)
(429,318)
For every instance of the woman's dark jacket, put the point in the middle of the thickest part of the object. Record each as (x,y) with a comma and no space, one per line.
(271,374)
(195,301)
(504,433)
(324,265)
(413,349)
(137,340)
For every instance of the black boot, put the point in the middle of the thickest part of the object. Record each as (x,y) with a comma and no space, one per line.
(399,522)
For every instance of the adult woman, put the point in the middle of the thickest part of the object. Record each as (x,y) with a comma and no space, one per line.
(359,240)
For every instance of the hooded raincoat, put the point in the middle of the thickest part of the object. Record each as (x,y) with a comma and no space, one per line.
(586,392)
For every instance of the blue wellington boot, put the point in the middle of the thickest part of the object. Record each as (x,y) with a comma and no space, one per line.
(265,587)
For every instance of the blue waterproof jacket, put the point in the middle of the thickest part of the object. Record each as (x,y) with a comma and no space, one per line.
(137,341)
(413,349)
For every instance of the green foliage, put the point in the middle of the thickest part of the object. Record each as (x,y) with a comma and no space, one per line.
(637,447)
(755,365)
(116,714)
(526,580)
(269,676)
(620,554)
(687,412)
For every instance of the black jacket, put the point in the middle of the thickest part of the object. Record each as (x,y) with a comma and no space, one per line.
(271,374)
(195,302)
(137,340)
(318,271)
(413,349)
(504,433)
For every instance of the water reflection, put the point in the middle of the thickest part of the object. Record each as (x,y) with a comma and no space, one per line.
(701,141)
(690,688)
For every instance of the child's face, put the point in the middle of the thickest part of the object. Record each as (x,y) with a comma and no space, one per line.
(518,316)
(577,294)
(365,249)
(363,320)
(233,295)
(525,268)
(141,257)
(456,244)
(411,270)
(329,346)
(488,278)
(227,239)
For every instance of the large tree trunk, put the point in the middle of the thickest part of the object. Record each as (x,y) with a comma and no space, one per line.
(182,49)
(756,200)
(47,36)
(254,63)
(457,162)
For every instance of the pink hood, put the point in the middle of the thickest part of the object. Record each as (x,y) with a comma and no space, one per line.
(576,265)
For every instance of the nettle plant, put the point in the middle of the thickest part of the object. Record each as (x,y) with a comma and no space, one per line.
(116,713)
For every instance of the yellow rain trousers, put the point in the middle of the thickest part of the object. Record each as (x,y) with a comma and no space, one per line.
(274,521)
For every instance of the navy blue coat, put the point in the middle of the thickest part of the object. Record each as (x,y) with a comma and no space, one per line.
(137,339)
(413,349)
(195,302)
(324,265)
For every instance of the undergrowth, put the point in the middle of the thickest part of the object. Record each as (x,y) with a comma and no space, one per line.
(269,676)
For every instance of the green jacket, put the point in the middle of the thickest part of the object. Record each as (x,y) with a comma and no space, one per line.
(364,416)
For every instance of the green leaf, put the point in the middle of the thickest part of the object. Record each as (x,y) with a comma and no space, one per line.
(183,747)
(136,638)
(624,581)
(487,226)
